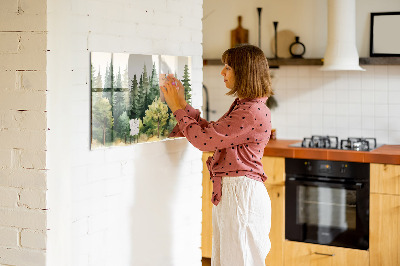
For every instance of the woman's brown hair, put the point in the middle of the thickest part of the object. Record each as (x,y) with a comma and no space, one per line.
(250,66)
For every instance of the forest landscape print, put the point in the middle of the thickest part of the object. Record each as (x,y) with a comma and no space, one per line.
(126,101)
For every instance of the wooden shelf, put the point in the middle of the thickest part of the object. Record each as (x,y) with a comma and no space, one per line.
(380,61)
(274,63)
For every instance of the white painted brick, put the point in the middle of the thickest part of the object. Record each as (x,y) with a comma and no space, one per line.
(98,222)
(9,42)
(33,199)
(8,237)
(5,158)
(33,239)
(30,80)
(14,139)
(23,218)
(24,22)
(22,100)
(23,178)
(17,256)
(8,6)
(8,197)
(36,7)
(33,159)
(31,61)
(34,120)
(7,80)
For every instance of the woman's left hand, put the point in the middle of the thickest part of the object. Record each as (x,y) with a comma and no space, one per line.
(170,90)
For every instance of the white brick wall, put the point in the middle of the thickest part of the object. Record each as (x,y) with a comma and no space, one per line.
(23,126)
(138,205)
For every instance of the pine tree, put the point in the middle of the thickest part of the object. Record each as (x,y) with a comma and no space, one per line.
(132,98)
(123,126)
(119,102)
(186,85)
(140,100)
(146,88)
(154,87)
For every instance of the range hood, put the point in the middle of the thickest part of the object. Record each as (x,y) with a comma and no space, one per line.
(341,51)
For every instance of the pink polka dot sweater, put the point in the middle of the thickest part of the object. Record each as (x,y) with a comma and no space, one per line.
(238,139)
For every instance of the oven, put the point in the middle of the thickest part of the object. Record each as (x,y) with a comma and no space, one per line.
(327,202)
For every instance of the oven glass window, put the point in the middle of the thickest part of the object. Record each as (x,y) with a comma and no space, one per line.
(326,207)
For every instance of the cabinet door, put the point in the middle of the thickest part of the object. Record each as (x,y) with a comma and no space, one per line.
(277,233)
(274,168)
(304,254)
(384,230)
(385,178)
(206,232)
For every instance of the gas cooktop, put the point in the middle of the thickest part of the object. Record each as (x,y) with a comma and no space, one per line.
(332,142)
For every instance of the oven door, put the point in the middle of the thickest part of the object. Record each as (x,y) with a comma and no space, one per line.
(327,213)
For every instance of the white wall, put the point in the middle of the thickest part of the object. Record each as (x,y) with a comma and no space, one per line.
(137,205)
(311,102)
(23,133)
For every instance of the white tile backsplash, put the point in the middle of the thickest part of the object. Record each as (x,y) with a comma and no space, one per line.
(342,103)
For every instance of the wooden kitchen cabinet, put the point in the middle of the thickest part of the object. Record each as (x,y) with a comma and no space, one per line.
(384,236)
(305,254)
(385,178)
(274,168)
(277,233)
(206,225)
(385,215)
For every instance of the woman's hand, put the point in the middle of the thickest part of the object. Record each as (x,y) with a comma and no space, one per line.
(181,92)
(172,94)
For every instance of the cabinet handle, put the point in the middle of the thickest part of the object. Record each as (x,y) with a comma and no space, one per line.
(324,254)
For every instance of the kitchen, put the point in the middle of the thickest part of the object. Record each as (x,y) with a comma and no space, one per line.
(313,104)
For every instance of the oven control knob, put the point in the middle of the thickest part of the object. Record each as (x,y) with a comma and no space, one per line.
(308,166)
(343,168)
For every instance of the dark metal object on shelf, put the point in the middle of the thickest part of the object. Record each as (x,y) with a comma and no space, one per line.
(276,38)
(259,26)
(297,49)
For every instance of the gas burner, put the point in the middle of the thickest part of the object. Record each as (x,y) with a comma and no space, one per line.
(327,142)
(358,144)
(332,142)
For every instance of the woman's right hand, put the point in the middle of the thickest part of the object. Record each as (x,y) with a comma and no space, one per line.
(181,91)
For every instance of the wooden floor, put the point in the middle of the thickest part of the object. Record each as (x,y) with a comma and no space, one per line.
(206,261)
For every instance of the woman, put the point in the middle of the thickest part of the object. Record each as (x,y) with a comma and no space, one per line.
(242,208)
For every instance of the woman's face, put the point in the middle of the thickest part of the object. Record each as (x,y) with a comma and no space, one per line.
(229,76)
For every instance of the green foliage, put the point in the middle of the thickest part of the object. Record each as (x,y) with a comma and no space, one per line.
(146,89)
(154,87)
(155,120)
(132,110)
(123,127)
(102,119)
(171,124)
(186,85)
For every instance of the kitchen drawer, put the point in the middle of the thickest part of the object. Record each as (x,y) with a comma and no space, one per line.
(305,254)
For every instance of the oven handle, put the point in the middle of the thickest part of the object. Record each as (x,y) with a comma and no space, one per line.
(357,185)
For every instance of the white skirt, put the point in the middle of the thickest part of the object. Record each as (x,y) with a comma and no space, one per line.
(241,223)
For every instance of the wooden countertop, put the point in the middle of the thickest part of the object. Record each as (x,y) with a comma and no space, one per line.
(389,154)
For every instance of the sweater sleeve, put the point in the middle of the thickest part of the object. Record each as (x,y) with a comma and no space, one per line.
(193,113)
(229,131)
